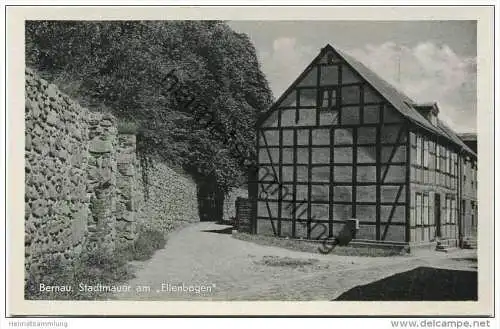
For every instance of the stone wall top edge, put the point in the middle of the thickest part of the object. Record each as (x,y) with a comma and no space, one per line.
(32,75)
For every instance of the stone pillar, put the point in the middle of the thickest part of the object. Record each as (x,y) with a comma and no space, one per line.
(127,183)
(244,215)
(101,178)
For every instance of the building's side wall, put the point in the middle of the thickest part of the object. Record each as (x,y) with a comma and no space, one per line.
(333,150)
(469,206)
(434,175)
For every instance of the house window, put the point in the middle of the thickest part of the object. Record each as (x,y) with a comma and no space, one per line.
(449,159)
(450,211)
(438,158)
(455,211)
(452,163)
(455,164)
(426,153)
(418,209)
(426,210)
(473,213)
(446,211)
(327,98)
(443,160)
(432,220)
(419,150)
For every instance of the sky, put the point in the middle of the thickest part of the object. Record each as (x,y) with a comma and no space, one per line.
(437,59)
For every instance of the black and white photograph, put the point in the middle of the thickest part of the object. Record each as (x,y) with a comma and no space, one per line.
(251,160)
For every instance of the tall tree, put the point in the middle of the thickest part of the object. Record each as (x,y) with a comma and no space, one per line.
(194,87)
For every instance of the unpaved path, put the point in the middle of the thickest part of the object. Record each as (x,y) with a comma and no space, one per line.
(231,269)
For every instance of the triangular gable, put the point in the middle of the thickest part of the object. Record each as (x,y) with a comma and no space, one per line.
(289,93)
(309,78)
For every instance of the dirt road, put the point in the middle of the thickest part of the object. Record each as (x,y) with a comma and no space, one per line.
(201,265)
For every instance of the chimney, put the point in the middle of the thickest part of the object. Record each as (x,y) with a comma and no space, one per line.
(429,110)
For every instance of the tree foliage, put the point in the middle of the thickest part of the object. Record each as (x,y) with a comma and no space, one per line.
(194,88)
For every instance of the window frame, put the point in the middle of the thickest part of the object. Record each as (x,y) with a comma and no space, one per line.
(418,209)
(425,209)
(425,154)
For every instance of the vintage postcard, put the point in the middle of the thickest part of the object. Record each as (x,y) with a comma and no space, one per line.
(247,160)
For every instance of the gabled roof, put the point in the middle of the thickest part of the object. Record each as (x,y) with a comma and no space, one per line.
(454,137)
(401,102)
(468,136)
(404,104)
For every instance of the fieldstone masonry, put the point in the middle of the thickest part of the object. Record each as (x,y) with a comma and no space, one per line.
(56,164)
(127,181)
(101,180)
(85,186)
(171,197)
(78,180)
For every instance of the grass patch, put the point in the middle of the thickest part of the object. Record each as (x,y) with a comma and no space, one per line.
(315,247)
(287,261)
(97,267)
(148,241)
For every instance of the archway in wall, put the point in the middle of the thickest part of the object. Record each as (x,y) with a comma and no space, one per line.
(210,201)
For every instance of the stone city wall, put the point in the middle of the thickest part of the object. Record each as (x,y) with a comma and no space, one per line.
(170,196)
(57,203)
(85,185)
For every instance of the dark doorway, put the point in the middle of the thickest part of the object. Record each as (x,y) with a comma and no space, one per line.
(210,201)
(437,214)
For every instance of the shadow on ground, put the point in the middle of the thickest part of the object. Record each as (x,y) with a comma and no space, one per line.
(470,261)
(227,230)
(422,283)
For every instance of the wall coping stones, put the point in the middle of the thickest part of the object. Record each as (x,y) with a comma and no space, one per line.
(100,146)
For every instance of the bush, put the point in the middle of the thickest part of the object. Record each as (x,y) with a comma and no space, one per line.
(148,241)
(92,268)
(51,271)
(103,267)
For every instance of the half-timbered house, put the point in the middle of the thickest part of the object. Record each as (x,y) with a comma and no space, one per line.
(341,143)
